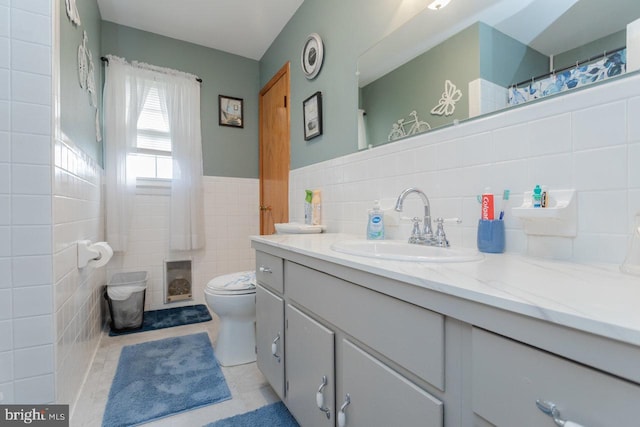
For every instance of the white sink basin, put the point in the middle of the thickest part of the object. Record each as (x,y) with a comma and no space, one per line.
(403,251)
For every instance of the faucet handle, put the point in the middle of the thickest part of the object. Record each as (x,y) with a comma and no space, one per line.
(441,237)
(443,220)
(416,234)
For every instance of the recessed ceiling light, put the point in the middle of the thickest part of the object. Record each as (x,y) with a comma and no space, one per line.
(438,4)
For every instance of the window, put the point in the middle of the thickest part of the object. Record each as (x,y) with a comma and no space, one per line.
(153,156)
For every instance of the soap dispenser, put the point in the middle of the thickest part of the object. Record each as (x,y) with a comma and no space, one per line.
(375,225)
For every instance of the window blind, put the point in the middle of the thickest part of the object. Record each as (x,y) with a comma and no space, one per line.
(153,129)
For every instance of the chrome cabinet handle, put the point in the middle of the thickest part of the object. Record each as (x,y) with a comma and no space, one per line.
(342,417)
(551,409)
(264,269)
(274,348)
(320,398)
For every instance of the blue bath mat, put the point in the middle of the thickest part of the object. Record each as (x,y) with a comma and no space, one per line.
(274,415)
(165,377)
(169,317)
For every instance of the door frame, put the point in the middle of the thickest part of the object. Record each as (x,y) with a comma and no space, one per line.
(284,71)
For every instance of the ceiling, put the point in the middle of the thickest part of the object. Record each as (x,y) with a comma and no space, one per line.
(242,27)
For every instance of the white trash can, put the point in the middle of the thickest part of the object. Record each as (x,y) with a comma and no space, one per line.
(125,295)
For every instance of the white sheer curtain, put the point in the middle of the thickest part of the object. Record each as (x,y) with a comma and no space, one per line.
(182,105)
(126,89)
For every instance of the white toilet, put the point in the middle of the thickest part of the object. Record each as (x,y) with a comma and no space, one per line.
(232,298)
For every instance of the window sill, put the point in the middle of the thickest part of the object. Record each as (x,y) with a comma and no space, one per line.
(153,186)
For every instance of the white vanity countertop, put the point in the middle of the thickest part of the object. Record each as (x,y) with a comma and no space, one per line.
(592,298)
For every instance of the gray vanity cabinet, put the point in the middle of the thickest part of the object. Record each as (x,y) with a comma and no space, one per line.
(341,336)
(270,337)
(404,355)
(309,370)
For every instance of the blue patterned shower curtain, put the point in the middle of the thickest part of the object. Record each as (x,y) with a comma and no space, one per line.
(608,66)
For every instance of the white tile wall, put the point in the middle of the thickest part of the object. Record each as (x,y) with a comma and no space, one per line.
(26,326)
(588,140)
(77,293)
(51,318)
(486,97)
(231,216)
(633,45)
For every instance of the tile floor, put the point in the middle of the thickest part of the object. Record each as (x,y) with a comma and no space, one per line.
(249,389)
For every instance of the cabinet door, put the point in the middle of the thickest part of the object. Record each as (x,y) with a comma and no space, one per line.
(310,367)
(379,396)
(270,338)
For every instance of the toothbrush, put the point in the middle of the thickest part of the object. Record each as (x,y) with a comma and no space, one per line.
(505,197)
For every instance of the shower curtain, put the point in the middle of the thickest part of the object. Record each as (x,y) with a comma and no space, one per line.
(609,66)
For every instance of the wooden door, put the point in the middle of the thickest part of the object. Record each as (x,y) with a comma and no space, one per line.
(274,151)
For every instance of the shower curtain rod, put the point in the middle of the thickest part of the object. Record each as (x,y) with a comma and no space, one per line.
(593,58)
(105,59)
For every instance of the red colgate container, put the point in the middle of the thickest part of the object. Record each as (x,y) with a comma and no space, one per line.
(487,206)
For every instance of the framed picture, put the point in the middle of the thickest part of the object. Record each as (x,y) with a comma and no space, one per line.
(231,111)
(312,116)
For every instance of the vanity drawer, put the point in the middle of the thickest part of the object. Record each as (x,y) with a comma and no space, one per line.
(508,377)
(269,271)
(407,334)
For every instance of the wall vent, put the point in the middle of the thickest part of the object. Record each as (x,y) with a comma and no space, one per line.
(177,281)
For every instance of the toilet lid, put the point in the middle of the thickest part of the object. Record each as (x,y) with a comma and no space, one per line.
(243,282)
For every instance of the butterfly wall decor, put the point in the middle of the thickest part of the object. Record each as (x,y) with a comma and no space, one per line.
(447,104)
(72,12)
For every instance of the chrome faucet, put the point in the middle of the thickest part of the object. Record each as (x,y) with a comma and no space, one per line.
(426,238)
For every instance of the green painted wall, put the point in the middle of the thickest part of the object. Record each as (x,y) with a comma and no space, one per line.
(505,61)
(77,116)
(418,85)
(226,151)
(597,47)
(336,22)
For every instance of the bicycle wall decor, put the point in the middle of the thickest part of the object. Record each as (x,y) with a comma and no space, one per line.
(414,125)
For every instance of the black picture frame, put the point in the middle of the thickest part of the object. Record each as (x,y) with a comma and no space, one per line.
(230,111)
(312,116)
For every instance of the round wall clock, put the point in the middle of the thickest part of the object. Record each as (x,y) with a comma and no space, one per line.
(312,55)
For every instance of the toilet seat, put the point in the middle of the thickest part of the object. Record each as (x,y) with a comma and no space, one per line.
(241,283)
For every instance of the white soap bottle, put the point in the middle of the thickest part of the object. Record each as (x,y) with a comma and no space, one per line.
(316,208)
(375,224)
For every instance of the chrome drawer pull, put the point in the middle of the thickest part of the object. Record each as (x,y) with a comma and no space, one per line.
(274,348)
(320,398)
(264,269)
(342,417)
(551,409)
